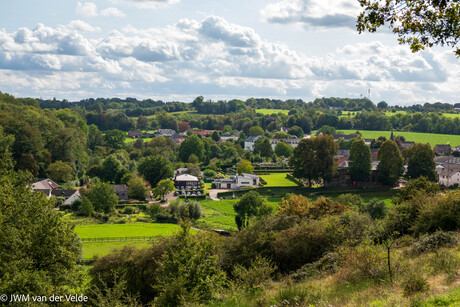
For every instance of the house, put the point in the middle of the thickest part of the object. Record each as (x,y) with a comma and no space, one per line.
(448,176)
(237,181)
(228,138)
(46,186)
(442,150)
(292,142)
(134,134)
(342,178)
(165,133)
(187,182)
(250,142)
(122,191)
(69,196)
(456,151)
(203,132)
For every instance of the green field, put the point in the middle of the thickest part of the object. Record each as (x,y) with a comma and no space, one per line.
(431,138)
(278,180)
(94,250)
(271,111)
(125,230)
(218,214)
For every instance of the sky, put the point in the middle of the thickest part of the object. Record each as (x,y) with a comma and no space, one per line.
(176,50)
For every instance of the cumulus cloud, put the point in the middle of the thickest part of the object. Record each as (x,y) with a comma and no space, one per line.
(149,4)
(211,57)
(313,13)
(112,11)
(87,9)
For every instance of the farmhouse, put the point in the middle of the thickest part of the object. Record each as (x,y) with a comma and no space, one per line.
(122,191)
(236,181)
(165,133)
(449,176)
(442,150)
(251,141)
(134,134)
(46,186)
(68,196)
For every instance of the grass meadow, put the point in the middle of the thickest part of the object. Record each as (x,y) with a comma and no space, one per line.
(278,180)
(125,230)
(272,111)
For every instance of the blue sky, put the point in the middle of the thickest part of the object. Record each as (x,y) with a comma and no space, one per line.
(179,49)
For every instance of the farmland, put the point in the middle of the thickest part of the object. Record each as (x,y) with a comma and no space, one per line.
(431,138)
(95,250)
(278,180)
(125,230)
(272,111)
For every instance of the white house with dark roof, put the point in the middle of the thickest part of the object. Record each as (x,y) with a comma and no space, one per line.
(237,181)
(187,182)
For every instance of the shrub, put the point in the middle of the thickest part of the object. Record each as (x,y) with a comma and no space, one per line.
(363,262)
(445,262)
(256,275)
(185,210)
(414,282)
(376,208)
(130,210)
(434,241)
(209,173)
(154,209)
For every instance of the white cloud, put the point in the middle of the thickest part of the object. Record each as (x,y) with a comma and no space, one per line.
(112,11)
(212,57)
(313,13)
(87,9)
(148,4)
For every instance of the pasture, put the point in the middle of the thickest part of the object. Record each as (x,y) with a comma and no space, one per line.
(95,250)
(278,180)
(125,230)
(272,111)
(431,138)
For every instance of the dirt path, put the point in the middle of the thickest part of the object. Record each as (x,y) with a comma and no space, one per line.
(213,193)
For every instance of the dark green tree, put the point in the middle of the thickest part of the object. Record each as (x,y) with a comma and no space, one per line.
(283,150)
(420,161)
(297,131)
(326,149)
(137,188)
(215,136)
(191,145)
(250,205)
(59,171)
(86,207)
(114,139)
(95,137)
(142,122)
(303,161)
(391,163)
(256,130)
(263,147)
(155,168)
(103,197)
(360,160)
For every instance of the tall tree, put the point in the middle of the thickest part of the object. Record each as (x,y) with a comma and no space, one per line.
(420,161)
(360,161)
(59,171)
(391,165)
(250,205)
(191,145)
(137,188)
(103,197)
(283,150)
(164,187)
(245,166)
(263,146)
(155,168)
(303,161)
(142,122)
(326,149)
(419,23)
(114,138)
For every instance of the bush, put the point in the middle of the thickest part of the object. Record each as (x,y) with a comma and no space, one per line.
(256,275)
(130,210)
(209,173)
(185,210)
(445,262)
(376,208)
(434,241)
(363,262)
(414,282)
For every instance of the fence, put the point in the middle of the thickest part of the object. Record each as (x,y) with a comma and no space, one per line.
(117,239)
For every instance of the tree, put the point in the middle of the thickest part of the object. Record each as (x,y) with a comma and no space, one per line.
(86,207)
(103,197)
(418,23)
(255,131)
(420,161)
(382,105)
(263,146)
(245,166)
(142,122)
(114,138)
(327,130)
(114,168)
(191,145)
(326,149)
(283,150)
(297,131)
(155,168)
(59,171)
(215,136)
(303,161)
(297,205)
(137,188)
(360,160)
(39,251)
(164,187)
(95,137)
(193,169)
(250,205)
(391,165)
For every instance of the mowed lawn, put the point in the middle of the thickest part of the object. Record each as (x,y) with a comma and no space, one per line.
(424,138)
(95,250)
(126,230)
(278,180)
(272,111)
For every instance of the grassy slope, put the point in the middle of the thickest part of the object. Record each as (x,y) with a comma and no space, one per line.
(125,230)
(278,180)
(271,111)
(431,138)
(94,250)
